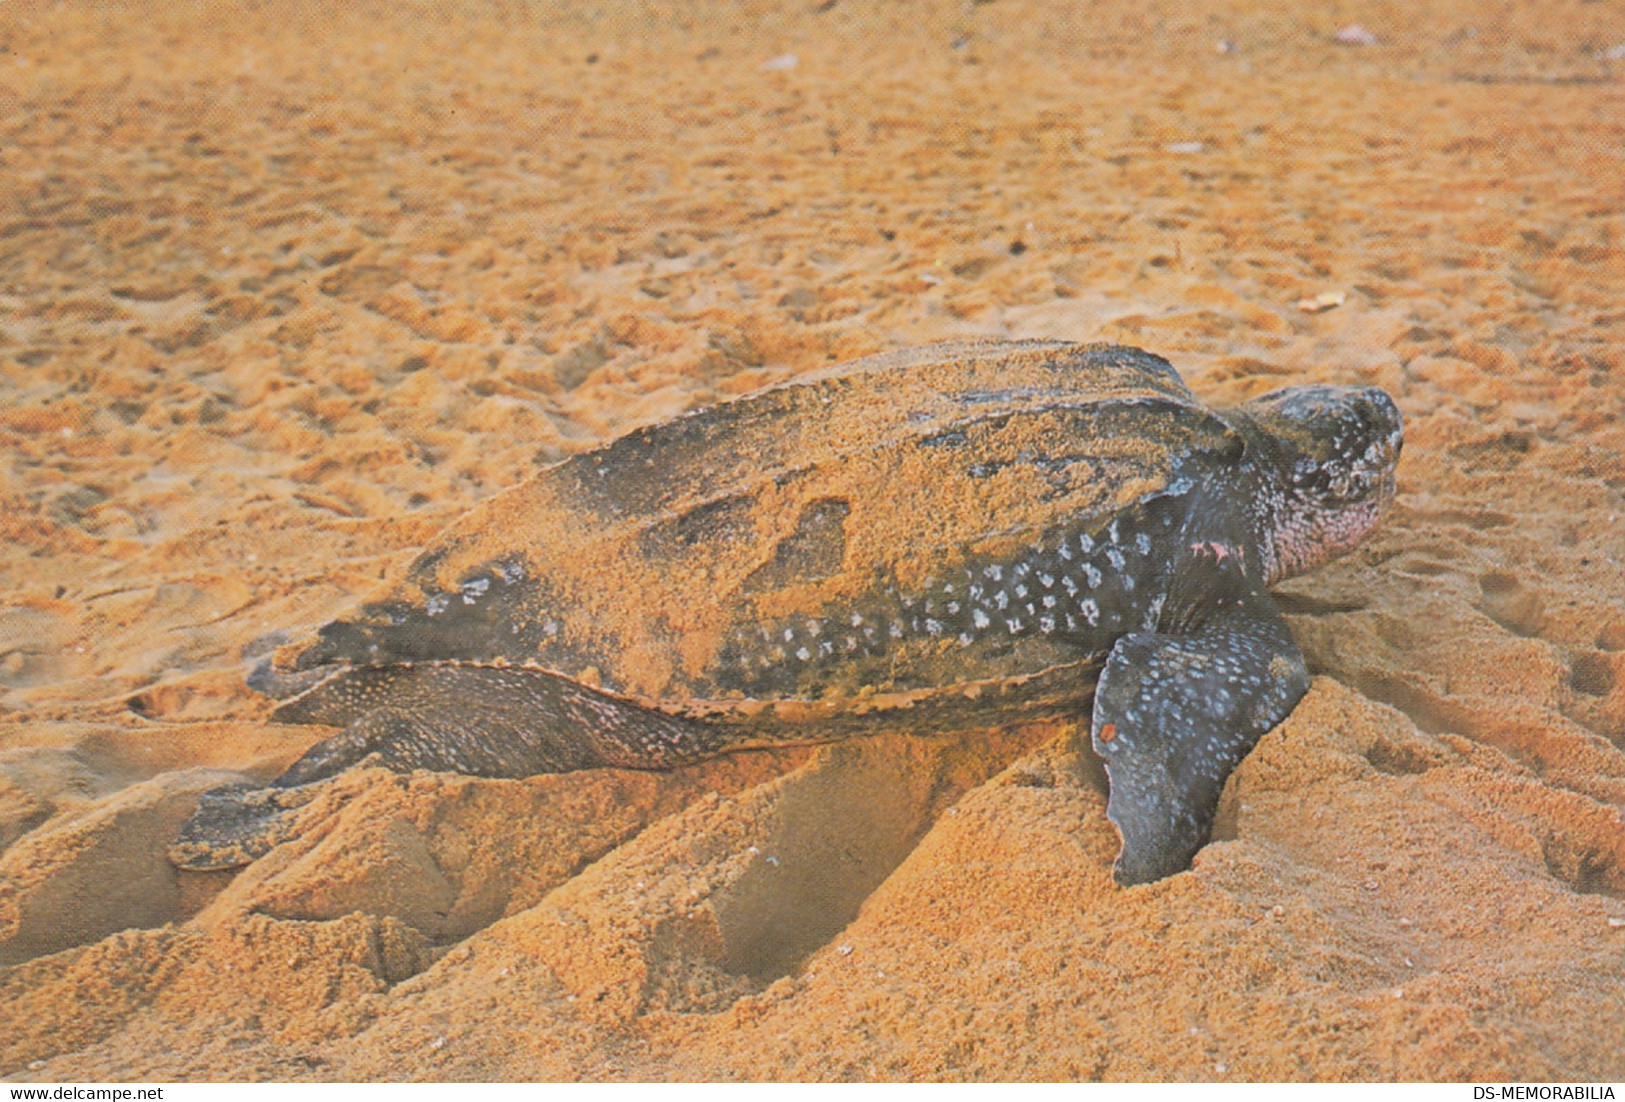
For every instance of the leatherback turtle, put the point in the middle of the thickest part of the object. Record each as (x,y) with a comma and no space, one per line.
(957,536)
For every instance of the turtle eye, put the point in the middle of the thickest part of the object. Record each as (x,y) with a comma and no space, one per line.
(1351,485)
(1312,479)
(1328,484)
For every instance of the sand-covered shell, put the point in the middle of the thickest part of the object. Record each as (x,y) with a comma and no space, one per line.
(842,541)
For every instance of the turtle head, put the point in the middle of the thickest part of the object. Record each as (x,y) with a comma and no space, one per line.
(1331,453)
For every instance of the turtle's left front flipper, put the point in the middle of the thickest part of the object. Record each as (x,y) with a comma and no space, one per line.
(1175,713)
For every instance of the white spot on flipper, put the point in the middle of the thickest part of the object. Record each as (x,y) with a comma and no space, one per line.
(979,617)
(803,653)
(1092,575)
(1090,610)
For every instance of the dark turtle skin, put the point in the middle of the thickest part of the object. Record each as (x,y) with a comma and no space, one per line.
(964,535)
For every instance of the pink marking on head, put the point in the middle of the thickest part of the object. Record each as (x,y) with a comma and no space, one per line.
(1219,551)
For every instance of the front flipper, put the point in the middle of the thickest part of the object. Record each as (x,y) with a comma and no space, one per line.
(482,721)
(1174,714)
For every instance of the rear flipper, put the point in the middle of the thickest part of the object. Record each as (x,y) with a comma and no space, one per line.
(483,721)
(236,824)
(1175,714)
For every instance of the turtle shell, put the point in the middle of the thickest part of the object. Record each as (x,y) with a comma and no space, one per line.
(806,543)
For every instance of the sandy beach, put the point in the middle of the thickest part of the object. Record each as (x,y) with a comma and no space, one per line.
(286,288)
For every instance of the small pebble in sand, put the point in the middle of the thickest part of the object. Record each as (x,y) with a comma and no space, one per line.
(1614,53)
(1224,46)
(845,950)
(1615,922)
(780,64)
(1326,300)
(1354,35)
(1185,147)
(1371,885)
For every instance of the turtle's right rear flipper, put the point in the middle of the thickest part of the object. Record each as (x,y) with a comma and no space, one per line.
(236,824)
(481,721)
(486,721)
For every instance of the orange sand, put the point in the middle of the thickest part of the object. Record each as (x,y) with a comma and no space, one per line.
(282,292)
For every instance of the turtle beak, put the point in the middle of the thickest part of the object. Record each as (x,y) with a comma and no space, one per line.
(1381,411)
